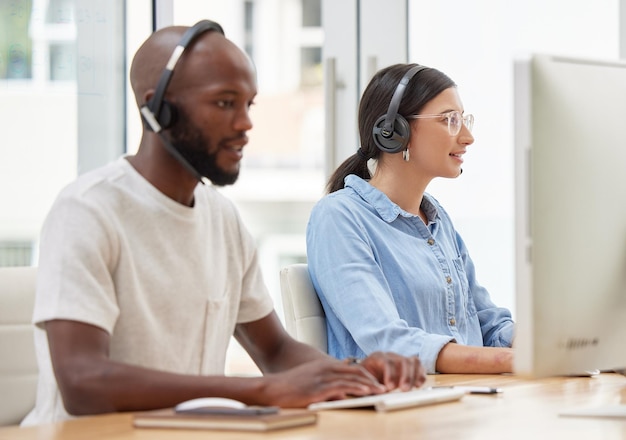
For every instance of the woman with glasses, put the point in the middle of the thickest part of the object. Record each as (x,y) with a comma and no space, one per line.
(390,269)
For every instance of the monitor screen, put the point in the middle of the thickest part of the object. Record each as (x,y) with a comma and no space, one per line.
(570,211)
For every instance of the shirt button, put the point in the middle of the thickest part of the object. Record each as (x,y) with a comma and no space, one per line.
(448,280)
(431,241)
(452,321)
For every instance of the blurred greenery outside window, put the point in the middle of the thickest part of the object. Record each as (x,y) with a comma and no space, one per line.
(15,43)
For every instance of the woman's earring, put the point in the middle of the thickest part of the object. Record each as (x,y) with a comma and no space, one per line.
(406,155)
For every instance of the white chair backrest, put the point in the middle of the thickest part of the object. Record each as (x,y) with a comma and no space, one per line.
(18,365)
(304,316)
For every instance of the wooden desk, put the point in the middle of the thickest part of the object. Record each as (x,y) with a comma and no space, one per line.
(526,409)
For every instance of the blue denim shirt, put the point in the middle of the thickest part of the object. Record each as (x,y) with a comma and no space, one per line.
(389,282)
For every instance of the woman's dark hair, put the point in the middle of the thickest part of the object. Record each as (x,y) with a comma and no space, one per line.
(423,87)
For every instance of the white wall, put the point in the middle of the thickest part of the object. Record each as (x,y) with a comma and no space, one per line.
(476,42)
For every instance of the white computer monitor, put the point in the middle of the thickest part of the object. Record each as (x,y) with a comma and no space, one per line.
(570,190)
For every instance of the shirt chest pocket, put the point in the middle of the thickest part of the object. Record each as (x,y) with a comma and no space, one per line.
(463,290)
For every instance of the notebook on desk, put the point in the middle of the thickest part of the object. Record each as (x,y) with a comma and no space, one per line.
(394,400)
(169,418)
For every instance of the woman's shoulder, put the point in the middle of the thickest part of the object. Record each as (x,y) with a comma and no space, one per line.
(340,200)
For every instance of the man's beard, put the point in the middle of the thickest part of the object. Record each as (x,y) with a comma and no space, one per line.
(194,147)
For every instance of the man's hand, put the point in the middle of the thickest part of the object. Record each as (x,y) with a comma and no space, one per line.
(395,371)
(319,380)
(296,374)
(331,380)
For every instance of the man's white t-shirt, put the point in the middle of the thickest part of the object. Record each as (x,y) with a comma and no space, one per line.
(168,282)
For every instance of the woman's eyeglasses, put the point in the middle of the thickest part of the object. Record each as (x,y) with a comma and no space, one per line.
(455,120)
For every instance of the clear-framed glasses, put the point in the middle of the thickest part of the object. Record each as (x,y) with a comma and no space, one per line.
(455,120)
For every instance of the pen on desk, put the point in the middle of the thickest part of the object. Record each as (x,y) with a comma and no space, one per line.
(474,389)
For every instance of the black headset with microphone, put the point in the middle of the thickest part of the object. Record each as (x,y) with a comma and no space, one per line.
(392,131)
(159,114)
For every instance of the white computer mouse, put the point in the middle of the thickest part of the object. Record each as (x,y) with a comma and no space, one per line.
(209,402)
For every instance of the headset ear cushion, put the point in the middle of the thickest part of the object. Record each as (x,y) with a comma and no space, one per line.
(168,115)
(397,140)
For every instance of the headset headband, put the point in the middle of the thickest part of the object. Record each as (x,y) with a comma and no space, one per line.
(388,127)
(156,103)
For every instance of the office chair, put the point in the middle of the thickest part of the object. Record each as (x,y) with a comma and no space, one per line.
(305,319)
(18,365)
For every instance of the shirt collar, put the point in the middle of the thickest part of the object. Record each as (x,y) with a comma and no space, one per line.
(387,210)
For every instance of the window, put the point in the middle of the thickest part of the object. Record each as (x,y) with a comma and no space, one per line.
(60,60)
(311,13)
(16,253)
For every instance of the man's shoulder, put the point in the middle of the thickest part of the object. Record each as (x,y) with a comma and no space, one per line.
(98,177)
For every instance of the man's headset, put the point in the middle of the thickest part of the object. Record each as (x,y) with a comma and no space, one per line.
(159,114)
(392,131)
